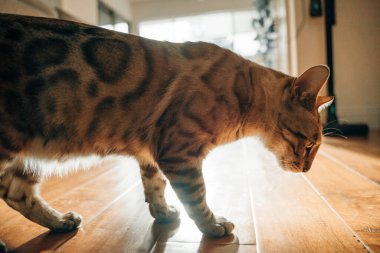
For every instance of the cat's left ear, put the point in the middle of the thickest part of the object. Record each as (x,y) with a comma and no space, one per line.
(307,86)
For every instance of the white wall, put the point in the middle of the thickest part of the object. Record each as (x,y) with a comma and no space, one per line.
(84,10)
(356,37)
(29,8)
(87,10)
(356,46)
(310,36)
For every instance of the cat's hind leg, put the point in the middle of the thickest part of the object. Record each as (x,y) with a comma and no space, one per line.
(19,187)
(154,190)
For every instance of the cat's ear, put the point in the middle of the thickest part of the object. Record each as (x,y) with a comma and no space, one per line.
(306,87)
(323,102)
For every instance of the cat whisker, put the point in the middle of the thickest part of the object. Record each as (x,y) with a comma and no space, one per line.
(331,122)
(341,135)
(335,134)
(333,128)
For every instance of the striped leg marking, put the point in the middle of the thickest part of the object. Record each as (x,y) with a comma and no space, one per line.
(190,188)
(154,189)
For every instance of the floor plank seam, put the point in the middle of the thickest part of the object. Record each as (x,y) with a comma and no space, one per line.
(349,168)
(248,175)
(110,204)
(208,242)
(356,235)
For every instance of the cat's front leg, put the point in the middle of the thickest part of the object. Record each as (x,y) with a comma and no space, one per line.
(20,190)
(190,188)
(154,190)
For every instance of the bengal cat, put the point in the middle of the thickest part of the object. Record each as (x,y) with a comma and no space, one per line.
(69,89)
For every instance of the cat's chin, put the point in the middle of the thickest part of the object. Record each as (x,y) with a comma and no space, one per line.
(289,167)
(293,170)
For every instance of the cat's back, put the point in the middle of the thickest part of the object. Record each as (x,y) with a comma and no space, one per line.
(63,80)
(31,46)
(35,46)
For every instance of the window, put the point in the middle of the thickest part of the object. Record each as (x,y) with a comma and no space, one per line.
(110,20)
(232,30)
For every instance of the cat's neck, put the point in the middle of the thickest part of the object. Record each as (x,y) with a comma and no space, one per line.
(269,87)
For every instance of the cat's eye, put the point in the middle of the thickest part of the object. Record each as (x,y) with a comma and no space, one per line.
(310,145)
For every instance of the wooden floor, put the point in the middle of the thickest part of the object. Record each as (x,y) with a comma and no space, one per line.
(333,208)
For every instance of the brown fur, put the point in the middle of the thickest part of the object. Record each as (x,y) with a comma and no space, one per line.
(69,89)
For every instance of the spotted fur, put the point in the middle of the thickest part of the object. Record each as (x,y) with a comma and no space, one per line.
(69,89)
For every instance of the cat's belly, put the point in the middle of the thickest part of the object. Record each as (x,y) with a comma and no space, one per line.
(55,150)
(66,152)
(56,158)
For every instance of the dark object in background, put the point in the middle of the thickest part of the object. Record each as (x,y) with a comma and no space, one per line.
(315,8)
(3,248)
(332,118)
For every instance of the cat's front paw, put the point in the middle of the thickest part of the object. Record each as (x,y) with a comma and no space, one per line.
(164,215)
(70,221)
(220,228)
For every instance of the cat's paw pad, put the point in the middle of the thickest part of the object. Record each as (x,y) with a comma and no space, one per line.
(221,227)
(164,215)
(70,221)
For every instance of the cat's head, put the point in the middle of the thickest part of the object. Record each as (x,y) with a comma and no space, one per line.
(298,131)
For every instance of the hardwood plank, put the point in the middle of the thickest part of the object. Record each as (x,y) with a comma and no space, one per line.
(365,163)
(289,215)
(104,190)
(56,185)
(16,230)
(173,247)
(369,145)
(125,226)
(353,196)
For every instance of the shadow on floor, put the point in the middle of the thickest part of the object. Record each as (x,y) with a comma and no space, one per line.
(48,241)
